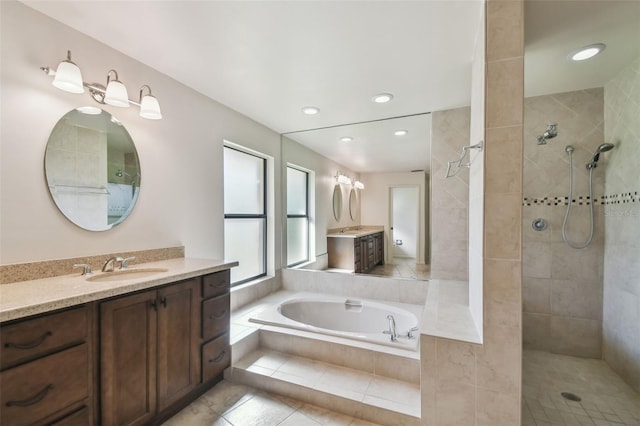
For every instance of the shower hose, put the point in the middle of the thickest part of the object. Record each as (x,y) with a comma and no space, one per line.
(568,212)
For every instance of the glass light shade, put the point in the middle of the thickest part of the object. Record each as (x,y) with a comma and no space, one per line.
(359,184)
(116,94)
(150,108)
(344,179)
(68,78)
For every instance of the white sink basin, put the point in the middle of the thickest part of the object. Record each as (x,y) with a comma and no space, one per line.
(126,274)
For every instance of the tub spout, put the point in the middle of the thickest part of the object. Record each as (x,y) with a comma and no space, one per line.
(392,328)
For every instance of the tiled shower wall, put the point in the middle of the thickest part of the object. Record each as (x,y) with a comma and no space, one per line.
(449,197)
(621,323)
(562,288)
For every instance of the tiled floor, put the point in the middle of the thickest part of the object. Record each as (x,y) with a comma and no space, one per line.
(229,404)
(403,268)
(606,399)
(354,385)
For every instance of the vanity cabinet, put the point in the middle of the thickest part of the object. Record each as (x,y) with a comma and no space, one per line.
(216,315)
(45,369)
(150,352)
(360,253)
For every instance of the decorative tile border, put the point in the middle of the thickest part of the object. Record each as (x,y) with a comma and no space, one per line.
(52,268)
(605,200)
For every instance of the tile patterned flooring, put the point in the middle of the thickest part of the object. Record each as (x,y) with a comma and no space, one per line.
(606,399)
(229,404)
(403,268)
(355,385)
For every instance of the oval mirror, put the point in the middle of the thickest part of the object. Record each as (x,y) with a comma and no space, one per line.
(92,169)
(337,202)
(353,204)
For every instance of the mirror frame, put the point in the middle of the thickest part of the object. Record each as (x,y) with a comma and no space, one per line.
(337,202)
(353,204)
(79,192)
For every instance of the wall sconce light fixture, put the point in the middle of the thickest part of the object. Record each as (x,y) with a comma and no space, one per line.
(68,77)
(346,180)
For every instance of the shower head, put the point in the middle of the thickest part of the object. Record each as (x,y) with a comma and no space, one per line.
(550,133)
(596,156)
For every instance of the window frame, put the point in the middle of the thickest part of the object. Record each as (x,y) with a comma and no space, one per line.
(262,216)
(300,216)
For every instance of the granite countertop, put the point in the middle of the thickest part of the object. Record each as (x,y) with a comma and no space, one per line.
(355,233)
(25,298)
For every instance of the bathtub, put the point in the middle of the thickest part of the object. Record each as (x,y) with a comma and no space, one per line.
(353,318)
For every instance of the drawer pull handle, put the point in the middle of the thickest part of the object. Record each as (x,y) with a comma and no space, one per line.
(218,316)
(219,357)
(164,301)
(33,400)
(31,345)
(219,284)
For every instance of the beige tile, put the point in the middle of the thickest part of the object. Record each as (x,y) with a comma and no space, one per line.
(568,263)
(577,298)
(536,331)
(504,93)
(456,404)
(536,295)
(394,390)
(503,164)
(428,379)
(502,280)
(325,417)
(344,379)
(497,408)
(456,361)
(503,226)
(262,409)
(406,369)
(299,419)
(504,29)
(576,336)
(499,359)
(536,259)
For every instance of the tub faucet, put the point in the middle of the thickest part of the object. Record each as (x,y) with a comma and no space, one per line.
(392,328)
(110,264)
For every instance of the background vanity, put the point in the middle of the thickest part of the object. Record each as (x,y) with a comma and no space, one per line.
(119,351)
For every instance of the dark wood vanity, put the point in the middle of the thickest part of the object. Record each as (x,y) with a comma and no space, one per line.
(132,359)
(359,253)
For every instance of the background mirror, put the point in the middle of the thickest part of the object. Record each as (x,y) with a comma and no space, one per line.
(92,169)
(382,159)
(353,204)
(337,202)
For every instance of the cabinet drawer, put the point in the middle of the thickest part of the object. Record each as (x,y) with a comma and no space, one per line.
(32,338)
(215,316)
(78,418)
(216,356)
(215,284)
(40,388)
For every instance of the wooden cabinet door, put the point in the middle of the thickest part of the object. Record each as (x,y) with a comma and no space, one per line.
(178,341)
(128,361)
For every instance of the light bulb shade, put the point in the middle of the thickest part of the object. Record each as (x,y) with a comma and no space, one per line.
(359,184)
(116,94)
(344,179)
(150,108)
(68,78)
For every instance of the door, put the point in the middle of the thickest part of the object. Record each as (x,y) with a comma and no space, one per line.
(178,341)
(128,360)
(404,212)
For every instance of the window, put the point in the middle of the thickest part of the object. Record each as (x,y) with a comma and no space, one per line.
(297,216)
(245,214)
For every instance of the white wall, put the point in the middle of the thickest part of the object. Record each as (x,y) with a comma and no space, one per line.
(375,205)
(181,199)
(325,171)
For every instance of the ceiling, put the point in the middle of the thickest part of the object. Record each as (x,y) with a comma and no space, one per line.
(268,59)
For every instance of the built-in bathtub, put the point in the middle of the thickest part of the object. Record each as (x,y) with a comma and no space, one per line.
(360,319)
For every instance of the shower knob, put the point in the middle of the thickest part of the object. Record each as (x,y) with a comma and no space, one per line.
(539,224)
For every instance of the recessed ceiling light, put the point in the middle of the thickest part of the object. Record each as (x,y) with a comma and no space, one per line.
(310,110)
(382,98)
(587,52)
(400,132)
(346,139)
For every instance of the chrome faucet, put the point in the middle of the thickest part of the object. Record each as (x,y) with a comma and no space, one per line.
(392,328)
(86,269)
(125,262)
(110,264)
